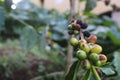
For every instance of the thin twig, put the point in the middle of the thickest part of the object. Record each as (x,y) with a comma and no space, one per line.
(81,35)
(70,48)
(96,73)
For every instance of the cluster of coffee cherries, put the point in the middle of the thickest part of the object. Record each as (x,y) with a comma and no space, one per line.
(75,26)
(87,50)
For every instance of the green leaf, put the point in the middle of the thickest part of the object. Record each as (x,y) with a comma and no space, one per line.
(116,62)
(28,37)
(114,35)
(108,71)
(72,75)
(90,15)
(87,75)
(90,4)
(2,18)
(107,21)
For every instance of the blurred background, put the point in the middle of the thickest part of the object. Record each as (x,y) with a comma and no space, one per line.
(34,38)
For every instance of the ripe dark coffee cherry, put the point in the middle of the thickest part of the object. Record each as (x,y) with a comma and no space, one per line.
(96,49)
(86,33)
(92,39)
(94,57)
(70,32)
(73,41)
(77,27)
(86,64)
(102,58)
(84,25)
(79,21)
(81,54)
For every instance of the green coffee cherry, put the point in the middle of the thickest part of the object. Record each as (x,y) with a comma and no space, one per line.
(94,57)
(73,41)
(76,32)
(80,54)
(98,63)
(70,26)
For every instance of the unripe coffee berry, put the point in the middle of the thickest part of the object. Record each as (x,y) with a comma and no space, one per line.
(102,58)
(81,54)
(98,63)
(76,32)
(94,57)
(70,26)
(73,41)
(85,47)
(82,41)
(96,49)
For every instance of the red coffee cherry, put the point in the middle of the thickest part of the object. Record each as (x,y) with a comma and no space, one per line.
(77,27)
(92,39)
(86,64)
(102,58)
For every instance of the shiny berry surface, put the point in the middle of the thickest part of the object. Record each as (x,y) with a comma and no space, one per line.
(86,33)
(92,39)
(70,32)
(84,25)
